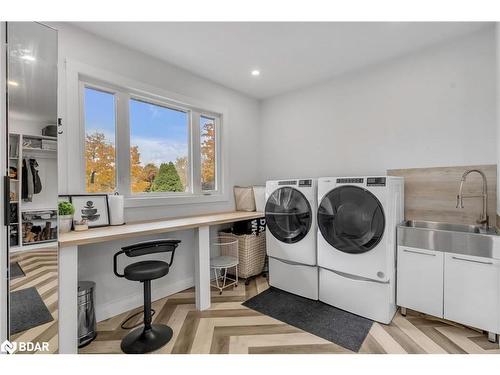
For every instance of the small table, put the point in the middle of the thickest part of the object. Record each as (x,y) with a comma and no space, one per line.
(68,261)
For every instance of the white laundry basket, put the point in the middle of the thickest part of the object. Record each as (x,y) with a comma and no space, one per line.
(251,254)
(226,246)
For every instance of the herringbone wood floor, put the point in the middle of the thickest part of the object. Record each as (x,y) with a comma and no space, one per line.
(40,268)
(229,327)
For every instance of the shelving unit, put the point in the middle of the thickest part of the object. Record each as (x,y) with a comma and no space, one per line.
(14,162)
(33,224)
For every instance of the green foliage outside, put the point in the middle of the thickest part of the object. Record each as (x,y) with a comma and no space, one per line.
(167,179)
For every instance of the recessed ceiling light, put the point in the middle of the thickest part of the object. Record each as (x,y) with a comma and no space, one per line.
(28,57)
(13,83)
(256,73)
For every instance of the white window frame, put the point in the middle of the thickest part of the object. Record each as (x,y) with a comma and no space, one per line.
(79,76)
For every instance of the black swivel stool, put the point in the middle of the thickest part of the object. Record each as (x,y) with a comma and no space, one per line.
(152,336)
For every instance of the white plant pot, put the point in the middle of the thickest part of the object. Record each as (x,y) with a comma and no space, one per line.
(65,222)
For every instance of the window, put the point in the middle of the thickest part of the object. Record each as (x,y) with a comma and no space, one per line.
(100,155)
(208,153)
(144,145)
(159,143)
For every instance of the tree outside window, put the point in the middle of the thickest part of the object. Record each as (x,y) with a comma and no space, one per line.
(208,153)
(159,148)
(100,156)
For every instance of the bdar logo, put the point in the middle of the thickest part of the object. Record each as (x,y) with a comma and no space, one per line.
(8,347)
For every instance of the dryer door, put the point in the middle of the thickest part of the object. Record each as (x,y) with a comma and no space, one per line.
(288,215)
(351,219)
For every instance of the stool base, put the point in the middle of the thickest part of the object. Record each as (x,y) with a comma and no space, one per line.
(141,341)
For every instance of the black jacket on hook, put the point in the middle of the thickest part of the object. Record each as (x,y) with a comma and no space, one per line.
(31,183)
(24,181)
(37,183)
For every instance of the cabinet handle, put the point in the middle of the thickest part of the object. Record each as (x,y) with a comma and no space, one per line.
(471,260)
(59,126)
(6,200)
(419,252)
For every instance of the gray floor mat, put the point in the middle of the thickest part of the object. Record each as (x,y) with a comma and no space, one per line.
(27,310)
(16,271)
(338,326)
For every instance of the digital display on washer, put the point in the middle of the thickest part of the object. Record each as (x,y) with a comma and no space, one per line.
(292,182)
(350,180)
(375,181)
(305,182)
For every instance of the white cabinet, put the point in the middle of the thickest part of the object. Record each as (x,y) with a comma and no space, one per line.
(420,280)
(460,288)
(471,291)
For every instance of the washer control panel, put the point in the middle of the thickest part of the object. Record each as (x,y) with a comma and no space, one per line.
(291,182)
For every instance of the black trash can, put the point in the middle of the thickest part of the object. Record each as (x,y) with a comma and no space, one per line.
(86,313)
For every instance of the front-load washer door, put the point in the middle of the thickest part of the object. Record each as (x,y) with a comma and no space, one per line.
(288,215)
(351,219)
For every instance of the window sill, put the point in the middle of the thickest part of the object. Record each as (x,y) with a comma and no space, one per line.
(144,201)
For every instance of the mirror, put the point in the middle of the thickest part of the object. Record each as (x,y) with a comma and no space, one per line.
(32,168)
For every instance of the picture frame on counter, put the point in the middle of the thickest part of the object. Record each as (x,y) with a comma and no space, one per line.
(91,207)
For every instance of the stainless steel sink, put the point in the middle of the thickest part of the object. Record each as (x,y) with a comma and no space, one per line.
(453,238)
(444,226)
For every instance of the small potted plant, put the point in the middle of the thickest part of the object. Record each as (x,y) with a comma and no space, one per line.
(66,211)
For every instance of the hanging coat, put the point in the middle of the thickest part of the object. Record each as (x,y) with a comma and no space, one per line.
(24,181)
(37,183)
(29,182)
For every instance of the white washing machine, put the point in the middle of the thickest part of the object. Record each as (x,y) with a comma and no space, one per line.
(291,236)
(357,218)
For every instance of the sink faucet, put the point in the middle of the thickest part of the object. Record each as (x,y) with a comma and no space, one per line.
(483,219)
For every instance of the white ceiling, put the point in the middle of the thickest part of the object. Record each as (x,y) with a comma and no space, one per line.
(289,55)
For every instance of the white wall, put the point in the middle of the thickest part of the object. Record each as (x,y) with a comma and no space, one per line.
(115,295)
(435,107)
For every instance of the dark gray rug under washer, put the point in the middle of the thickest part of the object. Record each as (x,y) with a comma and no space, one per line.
(16,271)
(338,326)
(27,310)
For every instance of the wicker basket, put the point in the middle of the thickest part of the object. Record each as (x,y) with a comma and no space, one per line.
(252,254)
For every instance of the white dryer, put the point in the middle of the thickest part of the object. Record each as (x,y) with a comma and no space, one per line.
(357,219)
(291,236)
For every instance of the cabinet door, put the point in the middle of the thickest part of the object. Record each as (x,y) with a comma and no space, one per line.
(420,280)
(471,288)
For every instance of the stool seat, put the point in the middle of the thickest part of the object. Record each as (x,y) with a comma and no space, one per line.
(223,261)
(146,270)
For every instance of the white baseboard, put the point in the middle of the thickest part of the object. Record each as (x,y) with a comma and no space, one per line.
(120,305)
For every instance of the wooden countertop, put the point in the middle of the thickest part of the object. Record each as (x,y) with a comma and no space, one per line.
(136,229)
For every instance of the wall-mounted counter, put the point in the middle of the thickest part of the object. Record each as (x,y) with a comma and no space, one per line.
(68,261)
